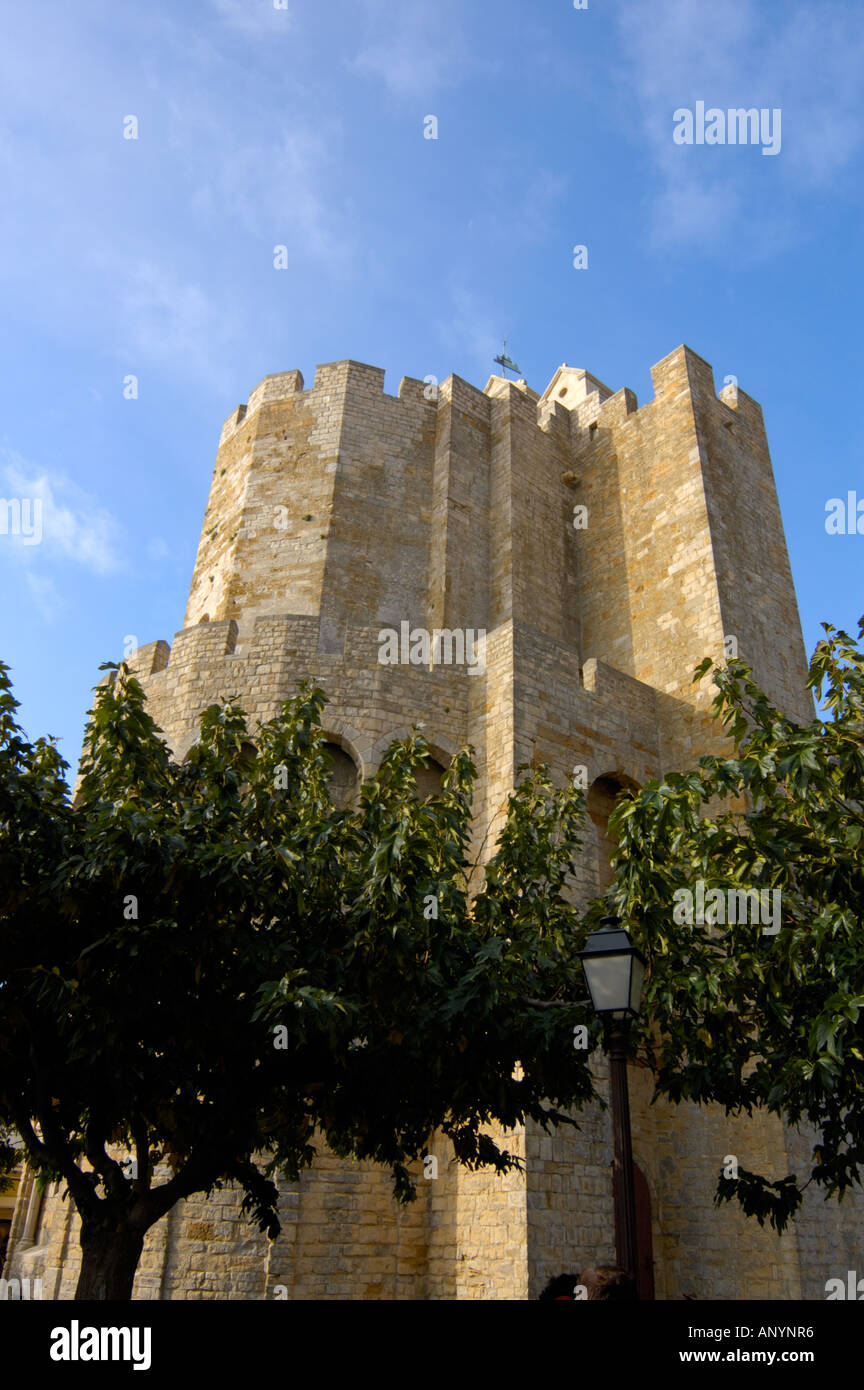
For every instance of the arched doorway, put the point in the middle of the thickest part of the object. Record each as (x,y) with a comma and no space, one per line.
(644,1237)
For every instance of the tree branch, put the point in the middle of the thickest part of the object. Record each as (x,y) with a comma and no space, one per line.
(197,1175)
(54,1157)
(109,1169)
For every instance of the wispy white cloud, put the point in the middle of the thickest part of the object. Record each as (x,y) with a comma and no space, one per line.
(158,549)
(529,210)
(819,61)
(46,595)
(689,209)
(67,526)
(806,60)
(470,332)
(165,318)
(234,158)
(277,191)
(257,18)
(414,48)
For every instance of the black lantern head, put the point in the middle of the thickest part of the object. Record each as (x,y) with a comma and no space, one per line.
(614,971)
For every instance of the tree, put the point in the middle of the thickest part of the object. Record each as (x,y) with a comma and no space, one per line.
(763,1015)
(204,965)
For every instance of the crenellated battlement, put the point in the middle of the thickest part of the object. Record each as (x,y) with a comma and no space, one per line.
(573,390)
(577,511)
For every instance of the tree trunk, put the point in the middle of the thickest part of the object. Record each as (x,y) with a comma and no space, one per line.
(109,1259)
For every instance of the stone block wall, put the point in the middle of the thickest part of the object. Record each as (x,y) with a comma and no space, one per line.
(339,510)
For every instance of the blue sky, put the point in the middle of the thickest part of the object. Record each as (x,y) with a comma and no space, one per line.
(304,127)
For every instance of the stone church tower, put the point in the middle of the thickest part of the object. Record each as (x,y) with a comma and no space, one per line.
(604,549)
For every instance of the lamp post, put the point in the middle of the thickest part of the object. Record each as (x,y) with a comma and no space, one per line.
(614,971)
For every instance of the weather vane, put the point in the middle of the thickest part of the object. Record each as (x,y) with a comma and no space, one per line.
(505,361)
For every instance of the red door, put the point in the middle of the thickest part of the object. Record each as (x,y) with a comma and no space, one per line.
(644,1242)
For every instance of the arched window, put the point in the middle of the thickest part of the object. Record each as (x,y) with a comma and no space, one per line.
(428,779)
(344,778)
(600,803)
(245,763)
(247,755)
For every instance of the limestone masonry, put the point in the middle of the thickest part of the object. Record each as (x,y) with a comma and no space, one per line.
(338,511)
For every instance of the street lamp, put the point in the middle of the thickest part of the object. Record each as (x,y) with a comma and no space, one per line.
(614,971)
